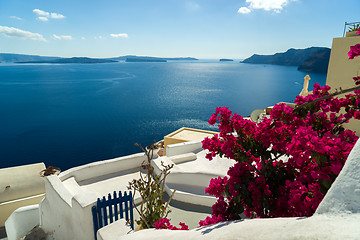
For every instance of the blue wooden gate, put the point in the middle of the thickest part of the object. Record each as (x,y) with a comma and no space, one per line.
(112,209)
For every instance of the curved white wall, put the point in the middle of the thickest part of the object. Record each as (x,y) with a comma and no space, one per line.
(21,221)
(66,213)
(101,168)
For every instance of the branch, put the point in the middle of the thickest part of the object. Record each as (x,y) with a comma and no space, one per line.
(278,156)
(255,169)
(141,213)
(337,92)
(167,204)
(133,197)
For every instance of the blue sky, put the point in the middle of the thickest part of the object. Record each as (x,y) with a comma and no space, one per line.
(170,28)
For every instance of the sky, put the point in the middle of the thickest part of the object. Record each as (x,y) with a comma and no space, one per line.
(205,29)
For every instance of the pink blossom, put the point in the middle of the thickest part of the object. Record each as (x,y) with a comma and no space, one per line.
(357,114)
(211,220)
(336,167)
(354,51)
(217,186)
(164,223)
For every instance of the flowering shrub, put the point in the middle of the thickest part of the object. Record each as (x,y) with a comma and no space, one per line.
(164,223)
(285,164)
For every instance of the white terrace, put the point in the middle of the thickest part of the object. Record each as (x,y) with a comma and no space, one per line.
(65,212)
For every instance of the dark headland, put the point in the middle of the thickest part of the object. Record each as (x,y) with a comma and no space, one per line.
(313,59)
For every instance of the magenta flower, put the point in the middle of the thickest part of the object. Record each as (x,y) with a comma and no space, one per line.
(217,186)
(357,115)
(211,220)
(357,80)
(164,223)
(354,51)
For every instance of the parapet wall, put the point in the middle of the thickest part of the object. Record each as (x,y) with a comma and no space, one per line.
(101,168)
(182,148)
(20,186)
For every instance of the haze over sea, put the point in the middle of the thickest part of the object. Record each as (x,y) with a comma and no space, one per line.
(71,114)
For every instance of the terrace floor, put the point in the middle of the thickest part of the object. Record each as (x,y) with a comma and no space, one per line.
(189,214)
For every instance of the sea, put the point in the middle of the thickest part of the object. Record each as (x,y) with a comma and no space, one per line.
(67,115)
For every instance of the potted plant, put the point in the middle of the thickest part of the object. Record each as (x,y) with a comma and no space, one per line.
(151,187)
(352,32)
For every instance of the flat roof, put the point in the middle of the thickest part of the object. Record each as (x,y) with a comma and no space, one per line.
(190,134)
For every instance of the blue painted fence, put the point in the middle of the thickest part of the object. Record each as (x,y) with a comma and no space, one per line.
(109,210)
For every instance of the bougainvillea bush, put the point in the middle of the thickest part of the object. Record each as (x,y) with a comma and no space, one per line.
(286,163)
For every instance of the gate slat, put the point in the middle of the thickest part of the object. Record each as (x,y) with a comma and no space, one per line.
(112,209)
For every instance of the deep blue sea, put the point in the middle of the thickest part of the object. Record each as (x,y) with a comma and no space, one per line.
(71,114)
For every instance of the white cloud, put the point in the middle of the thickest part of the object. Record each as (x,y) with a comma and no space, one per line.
(15,17)
(244,10)
(20,34)
(62,37)
(46,15)
(119,35)
(41,12)
(44,19)
(56,15)
(267,5)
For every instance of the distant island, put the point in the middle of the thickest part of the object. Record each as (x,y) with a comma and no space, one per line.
(225,60)
(72,60)
(23,58)
(139,59)
(182,59)
(12,57)
(313,59)
(152,59)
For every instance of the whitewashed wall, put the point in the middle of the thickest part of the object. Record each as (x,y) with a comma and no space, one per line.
(67,214)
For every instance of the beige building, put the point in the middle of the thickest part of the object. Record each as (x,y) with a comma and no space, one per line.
(341,69)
